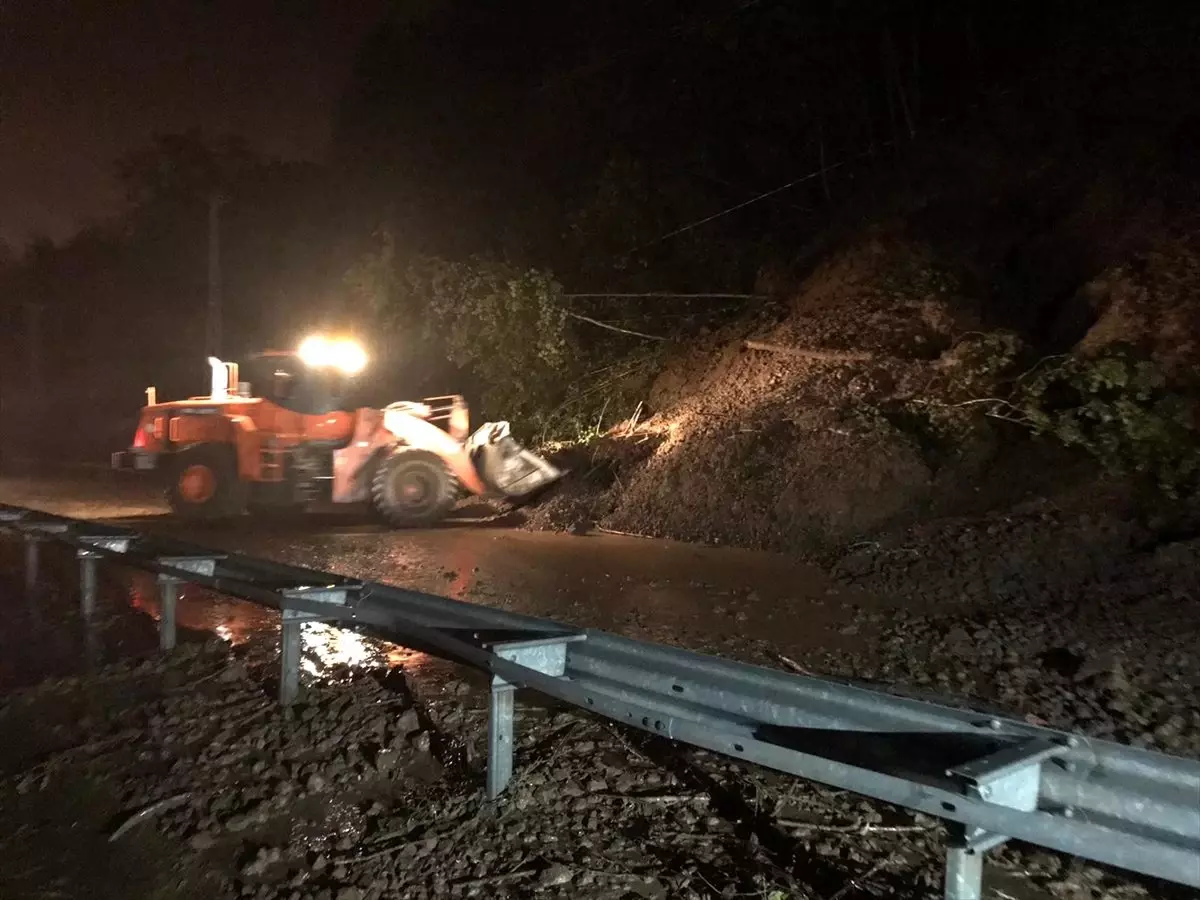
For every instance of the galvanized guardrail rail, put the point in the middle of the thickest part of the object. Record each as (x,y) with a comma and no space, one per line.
(992,779)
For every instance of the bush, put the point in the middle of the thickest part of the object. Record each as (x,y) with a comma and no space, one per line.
(1120,408)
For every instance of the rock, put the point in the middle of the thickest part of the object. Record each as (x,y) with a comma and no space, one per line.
(263,860)
(957,638)
(556,876)
(408,723)
(1115,681)
(385,760)
(650,888)
(203,841)
(571,789)
(350,893)
(626,782)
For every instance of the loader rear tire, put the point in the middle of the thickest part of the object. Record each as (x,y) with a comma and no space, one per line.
(204,483)
(413,489)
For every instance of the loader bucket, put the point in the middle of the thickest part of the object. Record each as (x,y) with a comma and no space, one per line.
(505,466)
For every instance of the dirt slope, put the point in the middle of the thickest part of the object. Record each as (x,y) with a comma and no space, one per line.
(847,422)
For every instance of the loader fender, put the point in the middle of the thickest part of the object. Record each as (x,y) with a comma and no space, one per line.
(421,434)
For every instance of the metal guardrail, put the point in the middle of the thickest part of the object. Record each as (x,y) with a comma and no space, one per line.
(992,779)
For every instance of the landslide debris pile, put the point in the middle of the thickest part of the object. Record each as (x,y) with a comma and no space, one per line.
(873,397)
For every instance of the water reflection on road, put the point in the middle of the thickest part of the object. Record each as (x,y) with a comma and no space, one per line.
(735,602)
(325,646)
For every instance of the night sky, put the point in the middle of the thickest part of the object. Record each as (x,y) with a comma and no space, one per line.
(82,81)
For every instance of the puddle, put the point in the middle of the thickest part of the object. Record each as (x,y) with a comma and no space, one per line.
(742,604)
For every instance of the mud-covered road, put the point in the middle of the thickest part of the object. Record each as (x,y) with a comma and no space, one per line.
(371,787)
(735,602)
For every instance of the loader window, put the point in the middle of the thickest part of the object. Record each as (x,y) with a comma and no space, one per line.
(285,380)
(283,385)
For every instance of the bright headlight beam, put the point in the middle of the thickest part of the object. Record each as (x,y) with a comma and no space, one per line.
(349,356)
(345,355)
(314,351)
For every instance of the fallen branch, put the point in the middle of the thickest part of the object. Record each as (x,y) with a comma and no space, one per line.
(819,355)
(386,851)
(854,828)
(666,799)
(495,879)
(633,420)
(149,812)
(410,828)
(611,327)
(793,665)
(855,882)
(625,533)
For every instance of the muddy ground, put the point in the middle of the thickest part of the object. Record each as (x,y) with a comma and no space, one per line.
(372,786)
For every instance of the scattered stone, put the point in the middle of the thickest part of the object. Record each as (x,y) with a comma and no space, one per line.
(556,876)
(202,841)
(408,723)
(421,742)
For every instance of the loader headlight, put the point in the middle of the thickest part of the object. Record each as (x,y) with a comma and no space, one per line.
(342,354)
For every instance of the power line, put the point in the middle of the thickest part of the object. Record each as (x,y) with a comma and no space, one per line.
(763,196)
(821,171)
(610,327)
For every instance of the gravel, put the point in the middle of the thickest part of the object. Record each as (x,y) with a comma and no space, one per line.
(360,791)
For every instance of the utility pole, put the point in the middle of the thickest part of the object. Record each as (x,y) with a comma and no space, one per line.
(212,331)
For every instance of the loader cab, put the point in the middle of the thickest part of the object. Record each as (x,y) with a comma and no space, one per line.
(287,381)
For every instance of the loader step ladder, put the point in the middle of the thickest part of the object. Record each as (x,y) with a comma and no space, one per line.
(271,462)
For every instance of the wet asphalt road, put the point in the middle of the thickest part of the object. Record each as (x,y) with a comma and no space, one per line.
(748,605)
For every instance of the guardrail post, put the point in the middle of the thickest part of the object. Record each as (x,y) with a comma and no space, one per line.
(168,596)
(88,588)
(501,706)
(290,645)
(32,546)
(964,869)
(168,593)
(87,584)
(291,636)
(1011,777)
(547,655)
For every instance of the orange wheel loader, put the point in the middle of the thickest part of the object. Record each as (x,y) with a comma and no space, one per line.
(284,437)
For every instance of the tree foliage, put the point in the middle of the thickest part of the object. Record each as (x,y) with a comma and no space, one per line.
(1119,407)
(509,329)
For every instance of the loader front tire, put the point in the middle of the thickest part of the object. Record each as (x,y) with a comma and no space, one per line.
(204,483)
(413,489)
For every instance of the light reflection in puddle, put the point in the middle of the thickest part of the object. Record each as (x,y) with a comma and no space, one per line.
(324,646)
